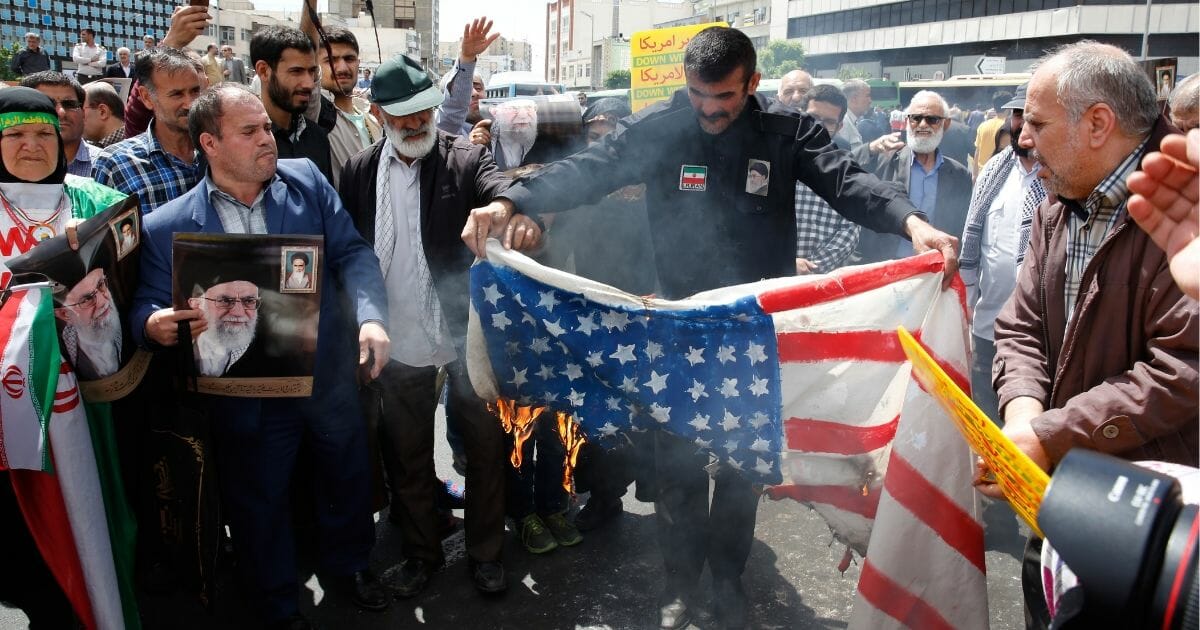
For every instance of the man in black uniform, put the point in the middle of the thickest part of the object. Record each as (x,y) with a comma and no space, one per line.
(693,153)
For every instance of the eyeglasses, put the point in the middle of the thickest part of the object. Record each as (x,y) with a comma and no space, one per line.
(68,104)
(916,119)
(829,123)
(88,298)
(227,303)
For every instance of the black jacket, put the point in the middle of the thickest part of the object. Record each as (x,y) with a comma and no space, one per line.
(114,71)
(712,234)
(949,210)
(456,177)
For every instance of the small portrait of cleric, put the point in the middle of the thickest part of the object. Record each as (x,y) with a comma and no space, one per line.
(298,270)
(256,325)
(125,231)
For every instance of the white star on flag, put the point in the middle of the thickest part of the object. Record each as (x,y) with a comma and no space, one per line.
(492,294)
(629,384)
(614,319)
(755,353)
(759,420)
(554,328)
(546,372)
(547,300)
(725,354)
(700,422)
(595,359)
(763,467)
(697,390)
(540,345)
(518,378)
(613,403)
(758,386)
(608,430)
(695,355)
(761,445)
(660,413)
(586,325)
(731,446)
(500,320)
(624,354)
(729,388)
(657,382)
(526,318)
(730,421)
(653,350)
(572,372)
(575,398)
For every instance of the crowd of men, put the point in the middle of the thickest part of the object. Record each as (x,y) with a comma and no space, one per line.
(1081,336)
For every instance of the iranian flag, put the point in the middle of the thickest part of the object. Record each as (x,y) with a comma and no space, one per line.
(47,445)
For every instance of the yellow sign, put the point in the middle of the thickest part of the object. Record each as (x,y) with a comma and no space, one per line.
(656,57)
(1021,480)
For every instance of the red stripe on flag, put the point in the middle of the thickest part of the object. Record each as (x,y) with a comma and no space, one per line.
(893,600)
(841,497)
(844,283)
(958,377)
(45,512)
(857,345)
(822,436)
(939,512)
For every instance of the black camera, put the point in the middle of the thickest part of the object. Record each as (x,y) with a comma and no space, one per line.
(1130,540)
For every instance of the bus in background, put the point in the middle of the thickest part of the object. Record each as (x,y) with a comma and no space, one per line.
(885,93)
(966,91)
(520,83)
(621,93)
(770,87)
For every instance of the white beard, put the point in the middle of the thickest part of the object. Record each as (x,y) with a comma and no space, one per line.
(925,144)
(523,137)
(101,342)
(222,345)
(411,149)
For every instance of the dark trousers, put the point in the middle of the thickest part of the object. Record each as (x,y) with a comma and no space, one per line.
(483,440)
(1037,614)
(981,379)
(408,399)
(689,531)
(257,460)
(536,487)
(26,582)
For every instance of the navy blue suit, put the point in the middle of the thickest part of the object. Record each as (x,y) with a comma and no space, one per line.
(258,439)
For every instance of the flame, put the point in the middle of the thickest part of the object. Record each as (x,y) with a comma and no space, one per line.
(518,421)
(572,439)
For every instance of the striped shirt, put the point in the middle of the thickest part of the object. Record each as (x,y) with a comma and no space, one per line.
(140,166)
(1089,225)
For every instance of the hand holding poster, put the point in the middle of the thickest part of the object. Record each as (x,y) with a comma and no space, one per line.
(260,296)
(92,288)
(1022,481)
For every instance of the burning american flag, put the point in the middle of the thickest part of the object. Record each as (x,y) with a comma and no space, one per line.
(799,383)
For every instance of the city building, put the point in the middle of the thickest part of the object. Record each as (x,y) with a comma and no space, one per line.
(576,32)
(504,55)
(915,39)
(117,23)
(420,16)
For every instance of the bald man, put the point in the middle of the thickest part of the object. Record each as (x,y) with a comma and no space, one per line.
(794,88)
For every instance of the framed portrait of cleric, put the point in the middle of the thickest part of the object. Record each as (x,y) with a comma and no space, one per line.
(298,270)
(126,231)
(93,290)
(260,336)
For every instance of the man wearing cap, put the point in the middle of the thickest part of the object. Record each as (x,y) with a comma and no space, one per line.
(248,191)
(994,241)
(30,59)
(409,196)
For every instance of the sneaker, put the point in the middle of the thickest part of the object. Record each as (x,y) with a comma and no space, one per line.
(564,531)
(535,536)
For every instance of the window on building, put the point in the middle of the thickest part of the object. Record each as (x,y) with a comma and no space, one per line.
(587,70)
(227,33)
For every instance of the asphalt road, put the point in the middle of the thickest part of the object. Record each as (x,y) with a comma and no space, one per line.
(610,581)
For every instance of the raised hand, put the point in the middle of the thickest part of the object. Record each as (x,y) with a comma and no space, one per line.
(475,39)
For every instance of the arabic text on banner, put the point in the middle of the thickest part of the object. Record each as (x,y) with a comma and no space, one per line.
(656,58)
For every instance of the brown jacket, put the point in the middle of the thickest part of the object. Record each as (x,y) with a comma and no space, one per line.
(1124,381)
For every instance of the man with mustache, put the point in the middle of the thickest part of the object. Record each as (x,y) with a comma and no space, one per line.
(994,242)
(937,184)
(248,191)
(159,164)
(286,63)
(1097,348)
(91,327)
(692,152)
(410,196)
(514,130)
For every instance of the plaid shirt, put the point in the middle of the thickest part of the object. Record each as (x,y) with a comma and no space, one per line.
(81,166)
(140,166)
(116,136)
(823,237)
(1089,225)
(236,217)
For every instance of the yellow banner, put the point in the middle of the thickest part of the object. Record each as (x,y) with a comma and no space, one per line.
(656,59)
(1021,480)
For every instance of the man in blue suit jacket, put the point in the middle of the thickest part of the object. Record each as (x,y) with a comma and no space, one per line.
(247,190)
